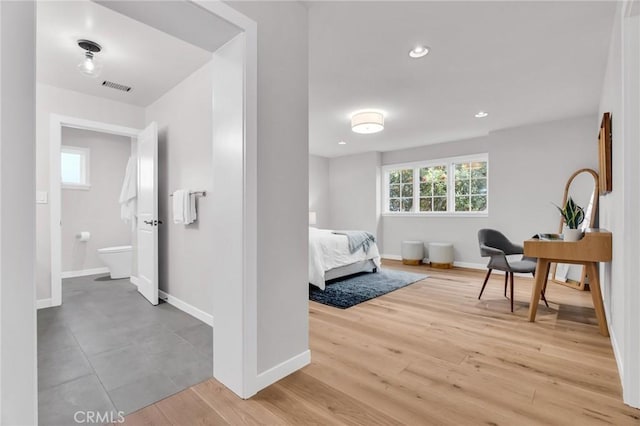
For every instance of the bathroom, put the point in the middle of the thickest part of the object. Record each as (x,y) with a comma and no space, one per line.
(97,229)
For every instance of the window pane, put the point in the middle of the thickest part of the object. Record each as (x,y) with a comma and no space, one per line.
(462,187)
(425,205)
(394,190)
(407,176)
(440,188)
(394,177)
(478,169)
(462,171)
(71,167)
(407,204)
(407,190)
(478,203)
(440,204)
(426,189)
(394,205)
(462,204)
(478,186)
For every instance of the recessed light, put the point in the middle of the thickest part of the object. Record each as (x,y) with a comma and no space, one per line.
(481,114)
(342,143)
(418,52)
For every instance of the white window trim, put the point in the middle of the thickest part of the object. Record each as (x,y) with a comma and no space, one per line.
(85,172)
(448,162)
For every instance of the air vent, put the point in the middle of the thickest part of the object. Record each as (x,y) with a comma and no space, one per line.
(116,86)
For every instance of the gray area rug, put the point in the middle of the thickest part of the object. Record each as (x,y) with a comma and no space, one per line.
(349,291)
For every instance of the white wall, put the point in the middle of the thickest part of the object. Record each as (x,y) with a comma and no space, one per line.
(185,162)
(18,382)
(53,100)
(319,194)
(528,169)
(354,193)
(97,209)
(283,186)
(618,210)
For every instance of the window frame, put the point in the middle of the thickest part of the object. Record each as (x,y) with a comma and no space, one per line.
(449,163)
(85,166)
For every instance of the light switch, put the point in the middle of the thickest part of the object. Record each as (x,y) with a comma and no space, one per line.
(41,197)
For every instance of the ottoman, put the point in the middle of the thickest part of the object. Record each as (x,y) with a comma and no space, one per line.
(441,255)
(412,252)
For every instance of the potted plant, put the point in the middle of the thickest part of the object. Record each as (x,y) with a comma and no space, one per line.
(573,216)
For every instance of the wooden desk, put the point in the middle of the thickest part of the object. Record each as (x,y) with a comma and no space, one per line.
(593,248)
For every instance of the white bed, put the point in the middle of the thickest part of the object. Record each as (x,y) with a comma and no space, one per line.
(330,258)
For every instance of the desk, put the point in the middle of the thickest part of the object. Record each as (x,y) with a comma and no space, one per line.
(593,248)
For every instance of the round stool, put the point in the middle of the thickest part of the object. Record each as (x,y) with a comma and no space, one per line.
(441,255)
(412,252)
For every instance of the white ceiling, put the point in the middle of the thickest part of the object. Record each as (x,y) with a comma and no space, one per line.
(523,62)
(134,54)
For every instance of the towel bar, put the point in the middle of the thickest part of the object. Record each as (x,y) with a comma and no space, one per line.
(198,193)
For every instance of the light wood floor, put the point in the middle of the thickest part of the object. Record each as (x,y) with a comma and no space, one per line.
(431,353)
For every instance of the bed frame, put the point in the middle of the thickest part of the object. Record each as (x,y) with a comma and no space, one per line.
(354,268)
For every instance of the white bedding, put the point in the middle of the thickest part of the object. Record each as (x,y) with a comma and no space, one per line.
(328,251)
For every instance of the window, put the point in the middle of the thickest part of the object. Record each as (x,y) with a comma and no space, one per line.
(74,167)
(447,186)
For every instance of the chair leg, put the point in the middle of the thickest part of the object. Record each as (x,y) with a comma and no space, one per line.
(544,289)
(506,279)
(511,274)
(544,299)
(484,284)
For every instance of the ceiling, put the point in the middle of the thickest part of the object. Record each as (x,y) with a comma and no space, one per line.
(523,62)
(134,54)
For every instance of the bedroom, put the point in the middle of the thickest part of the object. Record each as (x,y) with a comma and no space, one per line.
(430,352)
(530,133)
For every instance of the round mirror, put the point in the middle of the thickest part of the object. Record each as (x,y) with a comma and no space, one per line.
(582,187)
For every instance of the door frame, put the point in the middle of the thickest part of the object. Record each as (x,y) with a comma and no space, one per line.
(56,123)
(241,350)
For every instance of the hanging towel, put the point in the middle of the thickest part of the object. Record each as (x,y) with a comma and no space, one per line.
(179,201)
(129,193)
(190,215)
(184,207)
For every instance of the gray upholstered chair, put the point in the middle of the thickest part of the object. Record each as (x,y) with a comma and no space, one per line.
(497,247)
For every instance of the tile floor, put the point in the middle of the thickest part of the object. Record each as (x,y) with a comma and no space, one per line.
(107,349)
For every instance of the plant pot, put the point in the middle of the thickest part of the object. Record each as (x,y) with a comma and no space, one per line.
(573,234)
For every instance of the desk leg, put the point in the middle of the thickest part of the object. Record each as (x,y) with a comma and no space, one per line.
(541,279)
(596,295)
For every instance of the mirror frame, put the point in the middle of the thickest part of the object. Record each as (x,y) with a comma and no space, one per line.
(596,191)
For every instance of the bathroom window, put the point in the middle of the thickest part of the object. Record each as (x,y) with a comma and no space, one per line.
(74,167)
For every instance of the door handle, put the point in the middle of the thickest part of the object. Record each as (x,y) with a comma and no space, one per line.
(153,222)
(149,222)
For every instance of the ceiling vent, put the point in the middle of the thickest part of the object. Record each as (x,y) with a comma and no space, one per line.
(116,86)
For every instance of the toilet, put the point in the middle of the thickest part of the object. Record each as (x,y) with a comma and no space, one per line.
(118,260)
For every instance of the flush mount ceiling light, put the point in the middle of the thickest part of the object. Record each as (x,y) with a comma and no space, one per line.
(418,52)
(342,143)
(367,122)
(481,114)
(89,65)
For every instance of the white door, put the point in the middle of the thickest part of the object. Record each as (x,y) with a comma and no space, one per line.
(148,213)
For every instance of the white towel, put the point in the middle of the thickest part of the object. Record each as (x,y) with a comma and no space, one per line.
(184,207)
(180,199)
(129,192)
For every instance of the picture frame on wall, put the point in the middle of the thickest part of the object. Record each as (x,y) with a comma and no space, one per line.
(604,142)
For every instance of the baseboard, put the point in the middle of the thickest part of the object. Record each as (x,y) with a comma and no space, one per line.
(84,272)
(616,353)
(44,303)
(282,370)
(134,280)
(185,307)
(391,256)
(469,265)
